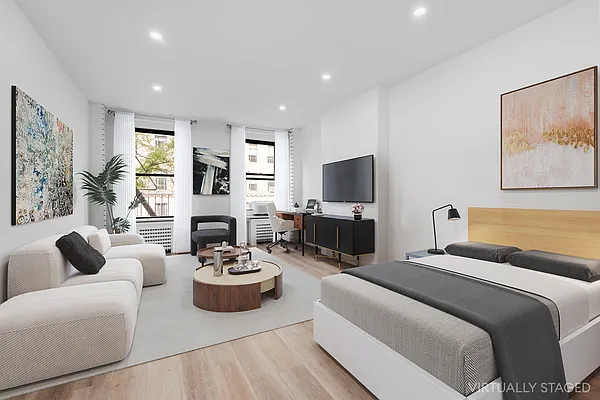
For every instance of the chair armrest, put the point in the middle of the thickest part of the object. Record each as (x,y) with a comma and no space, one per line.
(125,239)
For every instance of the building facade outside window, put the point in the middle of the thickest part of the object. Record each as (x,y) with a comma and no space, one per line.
(260,171)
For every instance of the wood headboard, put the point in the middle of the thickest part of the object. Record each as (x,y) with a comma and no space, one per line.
(575,233)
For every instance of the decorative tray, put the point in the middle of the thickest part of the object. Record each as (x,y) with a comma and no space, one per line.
(246,270)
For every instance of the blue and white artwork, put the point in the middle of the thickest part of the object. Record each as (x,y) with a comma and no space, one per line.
(42,154)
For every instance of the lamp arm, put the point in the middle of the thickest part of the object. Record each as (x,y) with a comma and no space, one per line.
(433,219)
(442,207)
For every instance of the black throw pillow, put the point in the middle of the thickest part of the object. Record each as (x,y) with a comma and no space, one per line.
(78,251)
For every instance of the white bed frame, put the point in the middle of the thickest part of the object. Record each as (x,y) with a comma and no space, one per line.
(388,375)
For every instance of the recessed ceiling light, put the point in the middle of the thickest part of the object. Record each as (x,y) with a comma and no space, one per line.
(157,88)
(419,12)
(282,107)
(326,77)
(156,36)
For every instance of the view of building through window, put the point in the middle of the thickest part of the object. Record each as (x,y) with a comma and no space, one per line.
(155,172)
(260,171)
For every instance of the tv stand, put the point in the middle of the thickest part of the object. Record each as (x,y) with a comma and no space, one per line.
(341,234)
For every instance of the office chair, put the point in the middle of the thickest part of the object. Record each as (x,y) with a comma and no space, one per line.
(278,226)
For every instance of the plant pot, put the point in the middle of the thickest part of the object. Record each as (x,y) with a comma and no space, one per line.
(357,217)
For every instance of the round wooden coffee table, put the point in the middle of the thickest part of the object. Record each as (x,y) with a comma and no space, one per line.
(208,253)
(231,293)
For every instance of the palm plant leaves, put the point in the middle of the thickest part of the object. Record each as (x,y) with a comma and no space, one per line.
(98,188)
(114,170)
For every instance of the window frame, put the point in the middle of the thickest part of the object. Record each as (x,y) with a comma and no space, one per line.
(155,132)
(261,177)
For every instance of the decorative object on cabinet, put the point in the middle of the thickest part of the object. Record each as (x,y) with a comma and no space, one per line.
(357,210)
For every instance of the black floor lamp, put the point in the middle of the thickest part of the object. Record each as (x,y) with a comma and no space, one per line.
(453,215)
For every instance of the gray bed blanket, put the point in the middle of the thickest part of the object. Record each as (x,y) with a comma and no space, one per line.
(525,343)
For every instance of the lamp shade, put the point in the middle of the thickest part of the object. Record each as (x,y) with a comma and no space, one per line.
(453,214)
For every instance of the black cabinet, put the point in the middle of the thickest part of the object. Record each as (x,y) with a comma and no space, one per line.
(341,234)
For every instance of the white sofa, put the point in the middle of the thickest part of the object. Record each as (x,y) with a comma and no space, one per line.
(131,245)
(40,265)
(48,333)
(58,320)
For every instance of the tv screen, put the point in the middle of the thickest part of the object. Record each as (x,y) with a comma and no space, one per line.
(349,180)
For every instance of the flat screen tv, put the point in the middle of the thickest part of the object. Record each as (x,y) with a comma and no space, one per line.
(349,180)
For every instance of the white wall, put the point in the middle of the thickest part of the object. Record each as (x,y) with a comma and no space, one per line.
(213,135)
(355,128)
(28,63)
(445,126)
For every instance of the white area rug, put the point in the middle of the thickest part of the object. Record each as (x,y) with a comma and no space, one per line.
(168,323)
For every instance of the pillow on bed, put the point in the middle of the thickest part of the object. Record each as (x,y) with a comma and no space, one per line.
(481,251)
(583,269)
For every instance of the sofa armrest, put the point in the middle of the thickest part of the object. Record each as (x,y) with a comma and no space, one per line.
(125,239)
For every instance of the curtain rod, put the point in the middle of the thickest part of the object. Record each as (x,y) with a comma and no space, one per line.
(263,129)
(192,121)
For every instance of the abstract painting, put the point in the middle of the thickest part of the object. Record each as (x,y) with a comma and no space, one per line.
(42,162)
(211,171)
(548,134)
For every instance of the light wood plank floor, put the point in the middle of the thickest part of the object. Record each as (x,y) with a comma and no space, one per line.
(281,364)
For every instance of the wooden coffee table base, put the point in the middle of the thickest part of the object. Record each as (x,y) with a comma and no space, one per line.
(235,297)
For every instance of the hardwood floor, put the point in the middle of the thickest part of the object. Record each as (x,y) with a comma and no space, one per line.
(281,364)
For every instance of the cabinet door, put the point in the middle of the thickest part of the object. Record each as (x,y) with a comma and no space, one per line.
(325,232)
(310,230)
(345,236)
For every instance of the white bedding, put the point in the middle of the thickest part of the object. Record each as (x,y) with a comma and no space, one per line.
(578,302)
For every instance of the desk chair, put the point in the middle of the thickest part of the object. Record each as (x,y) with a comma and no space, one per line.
(278,226)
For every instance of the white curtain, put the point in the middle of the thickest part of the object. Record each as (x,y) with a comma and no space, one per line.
(124,143)
(282,170)
(183,186)
(237,180)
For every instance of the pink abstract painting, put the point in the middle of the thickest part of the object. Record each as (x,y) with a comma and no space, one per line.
(549,134)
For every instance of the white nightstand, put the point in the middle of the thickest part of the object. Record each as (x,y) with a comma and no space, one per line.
(418,254)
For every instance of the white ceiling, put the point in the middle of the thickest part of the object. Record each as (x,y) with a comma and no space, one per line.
(238,60)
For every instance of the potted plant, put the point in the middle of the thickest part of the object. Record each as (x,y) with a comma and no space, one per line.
(357,210)
(99,190)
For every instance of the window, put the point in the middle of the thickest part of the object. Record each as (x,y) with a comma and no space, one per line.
(252,152)
(260,170)
(161,182)
(155,172)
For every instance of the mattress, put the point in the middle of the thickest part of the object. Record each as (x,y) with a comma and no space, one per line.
(454,351)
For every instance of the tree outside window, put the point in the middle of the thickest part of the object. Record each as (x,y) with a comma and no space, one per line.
(155,172)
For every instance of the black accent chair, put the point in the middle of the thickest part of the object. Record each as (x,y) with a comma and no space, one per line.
(200,238)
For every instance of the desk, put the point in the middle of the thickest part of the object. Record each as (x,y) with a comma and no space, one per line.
(299,219)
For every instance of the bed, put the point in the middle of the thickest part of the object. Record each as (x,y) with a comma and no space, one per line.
(400,348)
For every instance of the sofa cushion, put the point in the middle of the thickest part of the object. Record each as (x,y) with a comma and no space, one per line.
(59,331)
(100,241)
(35,266)
(214,235)
(80,254)
(126,269)
(151,255)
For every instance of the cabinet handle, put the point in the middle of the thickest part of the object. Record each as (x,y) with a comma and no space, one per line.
(337,237)
(315,232)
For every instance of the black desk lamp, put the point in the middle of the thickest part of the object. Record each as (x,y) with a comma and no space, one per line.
(453,215)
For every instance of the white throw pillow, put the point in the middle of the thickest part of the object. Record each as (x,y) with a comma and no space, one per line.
(100,241)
